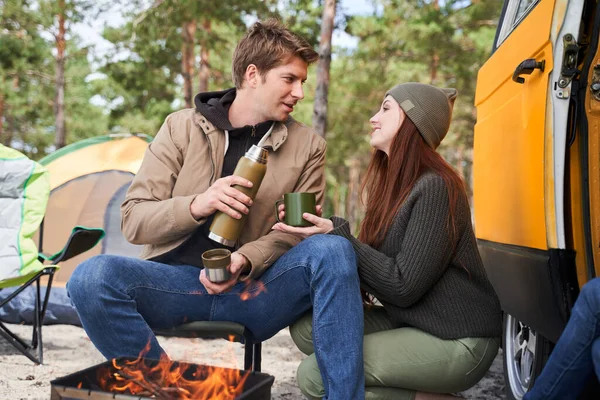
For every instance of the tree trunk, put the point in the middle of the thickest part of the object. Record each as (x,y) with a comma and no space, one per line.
(204,72)
(8,131)
(11,129)
(460,161)
(435,57)
(353,192)
(187,61)
(468,171)
(320,108)
(435,62)
(336,200)
(59,98)
(2,139)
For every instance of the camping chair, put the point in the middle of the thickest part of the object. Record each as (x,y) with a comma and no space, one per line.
(23,198)
(223,330)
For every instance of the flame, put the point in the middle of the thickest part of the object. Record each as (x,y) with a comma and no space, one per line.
(252,290)
(177,380)
(172,380)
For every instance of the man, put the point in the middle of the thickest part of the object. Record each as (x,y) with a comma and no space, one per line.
(185,177)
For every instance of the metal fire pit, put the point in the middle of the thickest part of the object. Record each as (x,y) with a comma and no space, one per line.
(257,385)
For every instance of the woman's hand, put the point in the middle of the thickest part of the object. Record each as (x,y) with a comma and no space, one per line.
(321,225)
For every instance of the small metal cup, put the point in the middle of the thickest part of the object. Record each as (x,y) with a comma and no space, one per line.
(215,263)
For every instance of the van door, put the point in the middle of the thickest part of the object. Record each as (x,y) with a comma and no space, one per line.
(511,140)
(585,150)
(519,166)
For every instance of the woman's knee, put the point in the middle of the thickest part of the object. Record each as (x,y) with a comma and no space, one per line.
(309,378)
(478,371)
(301,333)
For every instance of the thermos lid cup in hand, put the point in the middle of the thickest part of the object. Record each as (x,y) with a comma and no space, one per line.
(215,262)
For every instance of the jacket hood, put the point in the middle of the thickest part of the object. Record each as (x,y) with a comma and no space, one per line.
(215,107)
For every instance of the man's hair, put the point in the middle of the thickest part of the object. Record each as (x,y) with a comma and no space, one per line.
(267,45)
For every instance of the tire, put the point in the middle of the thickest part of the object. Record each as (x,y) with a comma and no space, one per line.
(524,355)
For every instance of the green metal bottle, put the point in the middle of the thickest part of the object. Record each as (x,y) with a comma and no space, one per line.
(253,166)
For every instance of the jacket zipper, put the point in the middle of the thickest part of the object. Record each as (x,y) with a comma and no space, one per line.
(212,161)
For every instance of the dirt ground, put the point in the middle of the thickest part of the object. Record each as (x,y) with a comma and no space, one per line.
(67,349)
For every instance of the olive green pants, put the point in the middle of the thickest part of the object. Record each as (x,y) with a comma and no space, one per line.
(399,362)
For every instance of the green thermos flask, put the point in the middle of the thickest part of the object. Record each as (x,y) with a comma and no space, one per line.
(253,166)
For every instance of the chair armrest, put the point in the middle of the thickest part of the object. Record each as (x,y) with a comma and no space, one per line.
(81,240)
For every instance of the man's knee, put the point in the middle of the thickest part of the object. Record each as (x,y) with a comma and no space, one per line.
(328,244)
(301,333)
(309,378)
(90,275)
(334,251)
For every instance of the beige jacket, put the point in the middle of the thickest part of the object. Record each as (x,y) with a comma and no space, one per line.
(186,157)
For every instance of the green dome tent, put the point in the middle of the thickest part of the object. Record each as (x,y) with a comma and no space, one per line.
(88,182)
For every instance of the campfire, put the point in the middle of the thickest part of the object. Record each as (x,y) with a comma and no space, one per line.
(141,378)
(169,380)
(128,378)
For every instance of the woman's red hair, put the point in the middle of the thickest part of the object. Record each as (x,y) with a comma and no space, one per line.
(390,180)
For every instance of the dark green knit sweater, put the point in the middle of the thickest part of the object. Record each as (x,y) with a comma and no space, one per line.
(421,277)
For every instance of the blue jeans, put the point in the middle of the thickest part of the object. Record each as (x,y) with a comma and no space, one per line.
(577,353)
(121,300)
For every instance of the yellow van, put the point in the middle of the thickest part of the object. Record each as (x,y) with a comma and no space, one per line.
(536,172)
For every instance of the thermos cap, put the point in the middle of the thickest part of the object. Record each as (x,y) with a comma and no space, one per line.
(258,154)
(216,258)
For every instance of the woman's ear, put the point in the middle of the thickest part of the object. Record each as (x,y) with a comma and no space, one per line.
(403,118)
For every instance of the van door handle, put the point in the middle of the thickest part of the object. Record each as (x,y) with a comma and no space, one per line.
(526,68)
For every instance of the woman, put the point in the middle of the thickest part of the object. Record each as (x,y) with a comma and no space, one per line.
(438,328)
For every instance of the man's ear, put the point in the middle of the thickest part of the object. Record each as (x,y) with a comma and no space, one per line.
(251,76)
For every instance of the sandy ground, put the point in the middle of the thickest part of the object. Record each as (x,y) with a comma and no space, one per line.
(67,349)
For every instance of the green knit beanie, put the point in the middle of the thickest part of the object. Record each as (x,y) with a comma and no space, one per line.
(428,107)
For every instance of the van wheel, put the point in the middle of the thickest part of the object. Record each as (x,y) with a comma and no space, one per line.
(524,353)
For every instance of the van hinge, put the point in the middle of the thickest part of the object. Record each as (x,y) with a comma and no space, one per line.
(569,61)
(595,86)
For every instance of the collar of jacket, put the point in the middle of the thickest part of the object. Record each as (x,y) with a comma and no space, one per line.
(278,136)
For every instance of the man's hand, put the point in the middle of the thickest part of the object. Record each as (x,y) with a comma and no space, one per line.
(222,197)
(237,265)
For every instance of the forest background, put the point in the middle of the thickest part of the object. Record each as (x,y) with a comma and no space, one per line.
(57,88)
